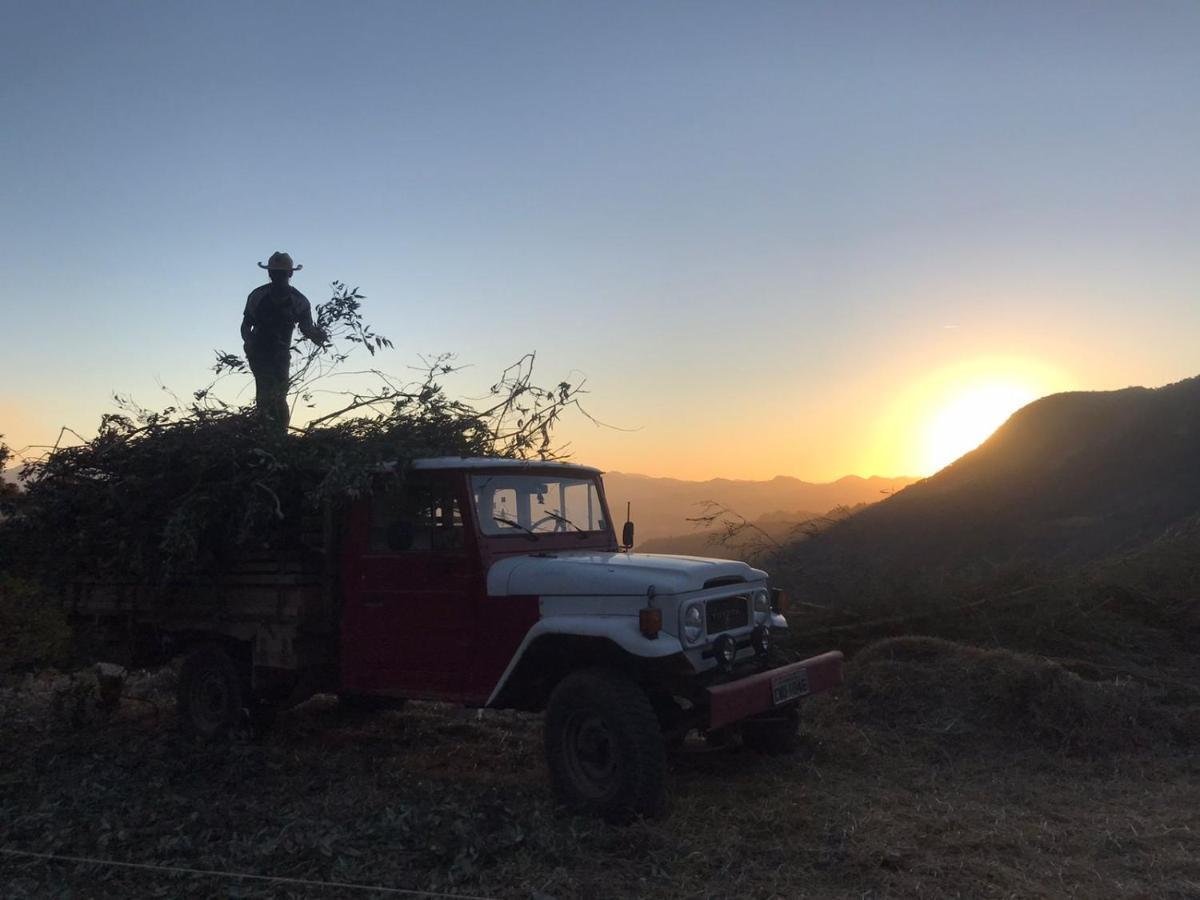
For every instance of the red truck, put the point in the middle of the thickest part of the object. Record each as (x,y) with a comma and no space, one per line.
(489,583)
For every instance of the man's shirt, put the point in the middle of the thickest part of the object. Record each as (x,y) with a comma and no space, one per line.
(273,314)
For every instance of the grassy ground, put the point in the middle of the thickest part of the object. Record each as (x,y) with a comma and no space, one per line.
(988,786)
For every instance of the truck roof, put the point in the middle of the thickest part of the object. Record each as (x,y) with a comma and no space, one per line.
(488,462)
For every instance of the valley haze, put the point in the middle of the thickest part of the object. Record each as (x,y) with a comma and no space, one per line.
(661,507)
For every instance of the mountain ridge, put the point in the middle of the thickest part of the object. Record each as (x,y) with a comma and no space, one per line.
(1070,477)
(663,506)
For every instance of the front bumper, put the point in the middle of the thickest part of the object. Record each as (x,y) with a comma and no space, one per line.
(737,700)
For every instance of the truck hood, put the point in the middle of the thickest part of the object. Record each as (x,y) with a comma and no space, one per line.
(611,574)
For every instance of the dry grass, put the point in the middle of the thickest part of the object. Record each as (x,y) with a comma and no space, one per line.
(941,771)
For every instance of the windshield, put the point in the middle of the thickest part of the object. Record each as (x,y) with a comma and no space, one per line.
(537,504)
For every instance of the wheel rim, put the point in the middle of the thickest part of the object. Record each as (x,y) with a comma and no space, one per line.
(209,701)
(590,754)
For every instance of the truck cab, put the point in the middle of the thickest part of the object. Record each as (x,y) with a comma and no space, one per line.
(496,583)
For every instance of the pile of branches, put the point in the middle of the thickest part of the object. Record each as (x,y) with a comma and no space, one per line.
(160,493)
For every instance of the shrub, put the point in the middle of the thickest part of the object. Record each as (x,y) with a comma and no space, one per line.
(33,633)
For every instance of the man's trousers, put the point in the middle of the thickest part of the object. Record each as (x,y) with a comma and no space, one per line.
(270,370)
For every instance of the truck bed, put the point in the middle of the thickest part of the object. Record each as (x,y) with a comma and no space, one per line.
(285,605)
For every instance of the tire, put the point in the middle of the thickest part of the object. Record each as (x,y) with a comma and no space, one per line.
(773,735)
(211,695)
(604,746)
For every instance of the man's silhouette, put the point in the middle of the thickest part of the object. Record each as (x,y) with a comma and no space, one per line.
(272,311)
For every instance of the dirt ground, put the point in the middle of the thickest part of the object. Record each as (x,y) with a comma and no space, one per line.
(932,801)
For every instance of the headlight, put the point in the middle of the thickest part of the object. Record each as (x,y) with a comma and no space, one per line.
(762,602)
(693,623)
(762,607)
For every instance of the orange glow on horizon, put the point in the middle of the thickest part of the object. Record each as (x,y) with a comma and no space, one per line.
(906,421)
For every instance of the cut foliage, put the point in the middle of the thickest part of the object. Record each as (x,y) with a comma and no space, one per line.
(159,493)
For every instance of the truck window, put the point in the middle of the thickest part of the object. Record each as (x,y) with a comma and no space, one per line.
(421,515)
(511,504)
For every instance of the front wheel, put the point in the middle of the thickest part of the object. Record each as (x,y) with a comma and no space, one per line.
(210,693)
(604,746)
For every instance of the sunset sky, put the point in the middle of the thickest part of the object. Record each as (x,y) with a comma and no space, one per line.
(807,239)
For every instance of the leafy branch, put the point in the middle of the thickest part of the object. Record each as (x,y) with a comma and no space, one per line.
(731,529)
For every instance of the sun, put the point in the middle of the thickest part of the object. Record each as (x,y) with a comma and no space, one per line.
(969,416)
(936,414)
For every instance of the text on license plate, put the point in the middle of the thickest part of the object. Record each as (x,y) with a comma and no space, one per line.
(790,686)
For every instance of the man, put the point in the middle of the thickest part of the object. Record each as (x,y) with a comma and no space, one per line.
(272,311)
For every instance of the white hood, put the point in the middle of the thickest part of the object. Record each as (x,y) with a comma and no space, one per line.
(610,574)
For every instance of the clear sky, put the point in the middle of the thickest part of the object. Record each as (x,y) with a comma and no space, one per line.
(809,239)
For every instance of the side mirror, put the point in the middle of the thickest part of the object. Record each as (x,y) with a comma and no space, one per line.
(627,535)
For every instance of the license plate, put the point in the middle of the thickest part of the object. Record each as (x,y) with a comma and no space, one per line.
(790,686)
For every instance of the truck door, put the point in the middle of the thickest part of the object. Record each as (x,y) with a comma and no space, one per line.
(411,586)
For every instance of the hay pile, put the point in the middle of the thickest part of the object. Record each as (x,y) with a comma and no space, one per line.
(934,687)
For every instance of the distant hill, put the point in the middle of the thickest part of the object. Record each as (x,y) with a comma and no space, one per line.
(774,528)
(1069,478)
(662,506)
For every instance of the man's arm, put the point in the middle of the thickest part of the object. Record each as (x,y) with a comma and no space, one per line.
(305,321)
(248,318)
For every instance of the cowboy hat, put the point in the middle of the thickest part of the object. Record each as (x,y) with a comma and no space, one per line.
(280,260)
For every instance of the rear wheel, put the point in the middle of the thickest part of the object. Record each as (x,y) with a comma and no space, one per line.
(210,694)
(604,746)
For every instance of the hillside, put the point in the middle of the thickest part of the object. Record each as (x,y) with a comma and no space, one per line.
(663,506)
(1069,478)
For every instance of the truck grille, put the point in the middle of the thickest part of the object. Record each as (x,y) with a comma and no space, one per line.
(726,613)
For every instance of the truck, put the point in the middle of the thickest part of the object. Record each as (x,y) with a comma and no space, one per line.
(489,583)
